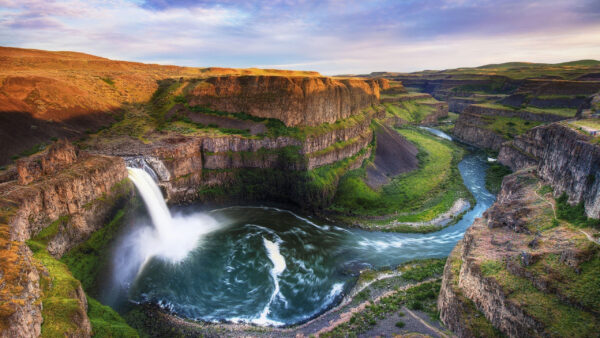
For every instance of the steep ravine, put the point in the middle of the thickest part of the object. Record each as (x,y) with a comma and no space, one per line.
(565,158)
(524,273)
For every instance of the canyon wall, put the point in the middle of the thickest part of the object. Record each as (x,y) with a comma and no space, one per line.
(470,128)
(566,159)
(60,198)
(47,94)
(297,101)
(472,125)
(515,273)
(186,164)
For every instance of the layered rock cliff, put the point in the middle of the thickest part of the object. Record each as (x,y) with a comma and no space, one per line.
(61,197)
(471,129)
(475,124)
(521,271)
(567,159)
(297,101)
(64,94)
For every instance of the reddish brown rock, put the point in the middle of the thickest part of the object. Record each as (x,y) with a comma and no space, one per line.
(58,156)
(297,101)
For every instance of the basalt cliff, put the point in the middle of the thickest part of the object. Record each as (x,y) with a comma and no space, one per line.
(54,200)
(527,268)
(208,134)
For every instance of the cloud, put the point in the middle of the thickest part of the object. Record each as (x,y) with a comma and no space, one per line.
(330,36)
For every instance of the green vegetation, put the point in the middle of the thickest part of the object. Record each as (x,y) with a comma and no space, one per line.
(574,214)
(494,85)
(559,318)
(85,259)
(546,189)
(422,297)
(411,111)
(525,70)
(421,195)
(565,112)
(508,127)
(35,149)
(61,302)
(108,81)
(106,322)
(313,188)
(587,126)
(420,270)
(63,310)
(491,267)
(494,175)
(336,146)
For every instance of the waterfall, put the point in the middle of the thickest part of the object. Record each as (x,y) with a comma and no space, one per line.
(153,199)
(140,162)
(169,238)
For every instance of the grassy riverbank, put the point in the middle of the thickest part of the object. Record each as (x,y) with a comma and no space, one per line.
(420,195)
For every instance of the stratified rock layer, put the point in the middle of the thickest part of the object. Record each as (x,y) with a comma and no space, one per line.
(70,197)
(297,101)
(525,274)
(566,159)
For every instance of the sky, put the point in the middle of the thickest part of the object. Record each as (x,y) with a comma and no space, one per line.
(329,36)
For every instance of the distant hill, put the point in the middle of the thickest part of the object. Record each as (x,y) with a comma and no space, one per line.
(572,70)
(45,94)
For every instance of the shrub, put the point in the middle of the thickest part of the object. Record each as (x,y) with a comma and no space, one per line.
(400,324)
(574,214)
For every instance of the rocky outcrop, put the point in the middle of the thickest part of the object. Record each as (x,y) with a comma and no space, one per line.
(20,306)
(297,101)
(338,151)
(47,94)
(58,156)
(181,162)
(470,128)
(566,159)
(459,104)
(70,192)
(441,111)
(61,197)
(523,114)
(505,268)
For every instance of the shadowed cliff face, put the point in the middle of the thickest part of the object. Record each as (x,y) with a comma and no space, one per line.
(60,198)
(521,271)
(64,94)
(297,101)
(566,159)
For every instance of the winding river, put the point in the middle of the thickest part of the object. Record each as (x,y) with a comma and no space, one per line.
(269,266)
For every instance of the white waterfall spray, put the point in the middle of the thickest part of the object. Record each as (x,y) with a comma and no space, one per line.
(155,203)
(170,238)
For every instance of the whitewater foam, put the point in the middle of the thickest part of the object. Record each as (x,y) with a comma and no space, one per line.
(171,238)
(279,266)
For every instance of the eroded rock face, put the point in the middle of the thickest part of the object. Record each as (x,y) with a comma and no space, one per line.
(58,156)
(470,129)
(297,101)
(565,158)
(20,307)
(504,271)
(68,194)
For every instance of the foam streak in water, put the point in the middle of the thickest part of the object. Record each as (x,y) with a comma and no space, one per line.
(278,267)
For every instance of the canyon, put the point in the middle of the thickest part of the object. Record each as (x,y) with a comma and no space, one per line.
(330,147)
